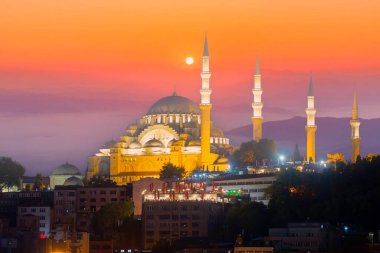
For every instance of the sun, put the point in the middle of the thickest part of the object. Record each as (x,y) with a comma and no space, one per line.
(189,60)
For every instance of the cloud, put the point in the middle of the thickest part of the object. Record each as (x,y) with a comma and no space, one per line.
(18,103)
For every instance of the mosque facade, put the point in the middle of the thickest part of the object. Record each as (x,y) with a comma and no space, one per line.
(170,132)
(179,131)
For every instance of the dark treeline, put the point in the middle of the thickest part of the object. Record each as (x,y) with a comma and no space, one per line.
(348,195)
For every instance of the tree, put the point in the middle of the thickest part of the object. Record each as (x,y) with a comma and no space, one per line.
(28,188)
(38,182)
(252,218)
(171,171)
(111,216)
(100,181)
(11,173)
(251,152)
(336,160)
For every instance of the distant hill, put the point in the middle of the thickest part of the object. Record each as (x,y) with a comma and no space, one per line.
(333,135)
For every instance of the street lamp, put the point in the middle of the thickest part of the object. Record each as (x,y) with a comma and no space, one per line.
(282,159)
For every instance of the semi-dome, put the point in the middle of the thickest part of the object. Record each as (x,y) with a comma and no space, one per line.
(66,169)
(73,181)
(174,105)
(134,144)
(154,144)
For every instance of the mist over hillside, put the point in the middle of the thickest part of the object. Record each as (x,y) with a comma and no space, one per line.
(333,135)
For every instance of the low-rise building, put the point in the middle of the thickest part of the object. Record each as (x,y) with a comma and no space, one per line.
(92,199)
(139,187)
(253,184)
(65,200)
(304,237)
(77,204)
(11,201)
(42,213)
(171,216)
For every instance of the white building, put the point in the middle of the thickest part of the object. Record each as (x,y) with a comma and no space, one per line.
(44,214)
(253,184)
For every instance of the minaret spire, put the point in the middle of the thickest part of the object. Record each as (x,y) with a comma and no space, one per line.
(310,127)
(205,47)
(355,136)
(257,105)
(311,88)
(205,107)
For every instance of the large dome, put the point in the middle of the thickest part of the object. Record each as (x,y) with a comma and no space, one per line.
(174,105)
(66,169)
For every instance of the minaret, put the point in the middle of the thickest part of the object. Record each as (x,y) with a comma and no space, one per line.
(310,127)
(257,105)
(205,107)
(355,137)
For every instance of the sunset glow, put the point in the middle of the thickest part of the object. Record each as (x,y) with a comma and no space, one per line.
(70,66)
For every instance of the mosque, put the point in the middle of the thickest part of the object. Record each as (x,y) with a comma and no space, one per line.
(178,130)
(175,129)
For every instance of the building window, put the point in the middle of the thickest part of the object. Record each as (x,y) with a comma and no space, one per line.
(33,210)
(184,217)
(103,192)
(195,233)
(42,210)
(165,232)
(42,217)
(23,210)
(195,224)
(92,200)
(113,192)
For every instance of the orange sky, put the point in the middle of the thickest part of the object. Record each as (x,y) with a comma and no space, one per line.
(296,35)
(77,58)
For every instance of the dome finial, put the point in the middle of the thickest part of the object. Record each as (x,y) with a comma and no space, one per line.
(174,90)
